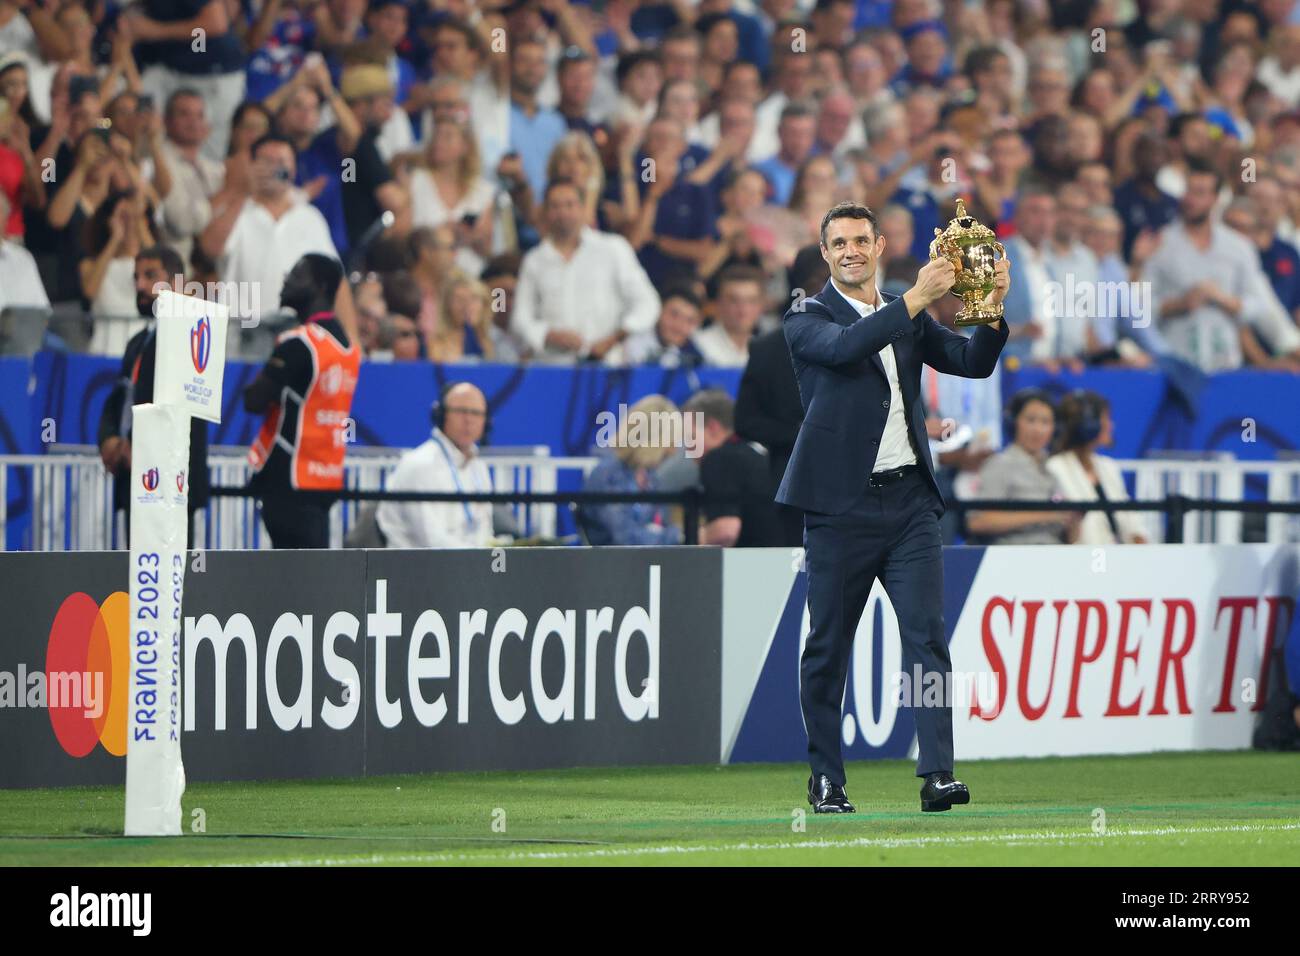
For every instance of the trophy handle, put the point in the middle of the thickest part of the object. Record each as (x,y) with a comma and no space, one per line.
(942,247)
(1000,249)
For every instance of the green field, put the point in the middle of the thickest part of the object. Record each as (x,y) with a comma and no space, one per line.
(1237,809)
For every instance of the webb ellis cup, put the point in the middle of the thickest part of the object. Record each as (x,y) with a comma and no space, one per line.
(972,248)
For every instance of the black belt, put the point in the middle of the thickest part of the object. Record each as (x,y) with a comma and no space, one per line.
(881,478)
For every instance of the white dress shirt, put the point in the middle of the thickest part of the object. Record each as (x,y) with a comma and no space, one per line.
(598,290)
(262,250)
(437,466)
(895,449)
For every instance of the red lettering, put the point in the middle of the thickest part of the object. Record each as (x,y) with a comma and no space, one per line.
(1031,610)
(1122,654)
(1273,641)
(994,657)
(1086,608)
(1171,659)
(1238,607)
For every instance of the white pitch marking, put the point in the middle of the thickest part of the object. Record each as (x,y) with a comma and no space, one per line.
(1041,837)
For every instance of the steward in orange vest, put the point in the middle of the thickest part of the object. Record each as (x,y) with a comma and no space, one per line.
(305,391)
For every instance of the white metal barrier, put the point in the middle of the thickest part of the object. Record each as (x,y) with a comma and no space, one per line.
(70,498)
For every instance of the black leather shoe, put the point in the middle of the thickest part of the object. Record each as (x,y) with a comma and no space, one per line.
(940,791)
(827,797)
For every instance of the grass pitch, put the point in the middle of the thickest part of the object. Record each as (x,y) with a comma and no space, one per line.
(1218,809)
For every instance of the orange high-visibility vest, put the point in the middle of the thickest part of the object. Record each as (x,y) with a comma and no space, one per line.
(316,441)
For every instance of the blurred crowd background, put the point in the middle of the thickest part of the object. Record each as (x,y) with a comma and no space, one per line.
(634,182)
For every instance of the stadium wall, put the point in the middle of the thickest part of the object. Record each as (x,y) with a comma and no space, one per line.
(1055,651)
(545,658)
(414,661)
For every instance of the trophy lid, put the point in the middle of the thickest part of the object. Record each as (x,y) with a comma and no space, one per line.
(964,228)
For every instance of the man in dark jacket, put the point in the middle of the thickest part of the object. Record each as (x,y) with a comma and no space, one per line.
(156,268)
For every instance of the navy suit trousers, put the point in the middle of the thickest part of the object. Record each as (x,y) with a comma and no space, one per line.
(890,533)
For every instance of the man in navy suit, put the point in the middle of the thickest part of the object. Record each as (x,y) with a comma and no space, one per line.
(861,473)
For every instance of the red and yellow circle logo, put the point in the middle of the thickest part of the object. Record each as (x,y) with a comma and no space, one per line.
(91,639)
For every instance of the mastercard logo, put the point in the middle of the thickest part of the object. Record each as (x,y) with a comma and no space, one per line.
(91,639)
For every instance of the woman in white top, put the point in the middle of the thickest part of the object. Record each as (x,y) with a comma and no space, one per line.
(1084,475)
(115,234)
(450,190)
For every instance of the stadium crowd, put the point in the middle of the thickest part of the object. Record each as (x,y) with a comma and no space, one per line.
(633,182)
(629,181)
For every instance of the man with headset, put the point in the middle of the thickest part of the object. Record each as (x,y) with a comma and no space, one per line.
(447,462)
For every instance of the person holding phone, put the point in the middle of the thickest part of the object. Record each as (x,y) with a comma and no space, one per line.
(450,189)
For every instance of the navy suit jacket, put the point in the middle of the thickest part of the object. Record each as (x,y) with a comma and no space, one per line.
(845,393)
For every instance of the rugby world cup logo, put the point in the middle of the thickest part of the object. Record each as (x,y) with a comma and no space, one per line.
(150,479)
(180,482)
(201,343)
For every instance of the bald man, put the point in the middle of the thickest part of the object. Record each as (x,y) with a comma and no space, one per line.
(448,462)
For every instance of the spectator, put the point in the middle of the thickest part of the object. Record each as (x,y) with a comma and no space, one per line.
(1202,279)
(1280,258)
(638,449)
(669,343)
(675,231)
(577,82)
(725,343)
(1085,475)
(534,129)
(1019,473)
(1030,307)
(581,292)
(793,85)
(735,473)
(465,329)
(449,461)
(501,276)
(450,190)
(795,134)
(1143,206)
(1273,341)
(20,281)
(898,267)
(261,228)
(1122,333)
(639,81)
(432,261)
(195,177)
(461,52)
(575,158)
(163,31)
(115,234)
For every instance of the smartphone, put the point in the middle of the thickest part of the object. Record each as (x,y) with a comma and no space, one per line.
(146,103)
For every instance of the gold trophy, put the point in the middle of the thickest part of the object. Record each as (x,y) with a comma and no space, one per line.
(972,248)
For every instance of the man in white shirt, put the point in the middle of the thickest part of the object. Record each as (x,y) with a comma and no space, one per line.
(447,462)
(725,343)
(581,292)
(260,229)
(196,178)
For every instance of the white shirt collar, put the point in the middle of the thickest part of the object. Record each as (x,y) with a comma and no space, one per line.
(861,307)
(459,459)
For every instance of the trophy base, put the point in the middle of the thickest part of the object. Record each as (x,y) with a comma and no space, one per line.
(976,313)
